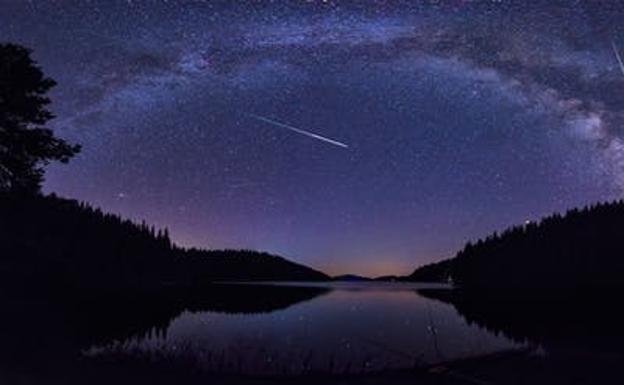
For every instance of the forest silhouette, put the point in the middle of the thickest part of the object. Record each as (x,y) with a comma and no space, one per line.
(60,243)
(578,251)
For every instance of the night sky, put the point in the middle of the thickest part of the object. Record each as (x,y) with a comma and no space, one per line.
(437,122)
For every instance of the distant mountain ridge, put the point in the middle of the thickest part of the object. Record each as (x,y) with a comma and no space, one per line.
(53,242)
(351,278)
(581,250)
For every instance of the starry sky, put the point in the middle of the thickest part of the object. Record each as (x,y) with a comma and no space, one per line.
(458,118)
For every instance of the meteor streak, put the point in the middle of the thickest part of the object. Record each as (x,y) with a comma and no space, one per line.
(617,55)
(298,130)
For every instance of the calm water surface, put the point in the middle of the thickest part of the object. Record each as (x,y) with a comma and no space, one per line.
(344,327)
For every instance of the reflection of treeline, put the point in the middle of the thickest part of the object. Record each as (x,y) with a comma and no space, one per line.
(101,319)
(587,321)
(53,242)
(582,249)
(38,333)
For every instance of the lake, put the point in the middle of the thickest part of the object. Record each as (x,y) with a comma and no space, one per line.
(297,328)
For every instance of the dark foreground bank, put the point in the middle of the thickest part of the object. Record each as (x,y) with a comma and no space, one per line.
(526,366)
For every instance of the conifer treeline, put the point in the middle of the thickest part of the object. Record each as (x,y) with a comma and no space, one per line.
(59,242)
(583,249)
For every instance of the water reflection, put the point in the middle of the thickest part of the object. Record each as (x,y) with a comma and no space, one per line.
(52,332)
(355,327)
(295,329)
(581,336)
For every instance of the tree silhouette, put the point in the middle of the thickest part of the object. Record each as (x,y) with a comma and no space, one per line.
(26,147)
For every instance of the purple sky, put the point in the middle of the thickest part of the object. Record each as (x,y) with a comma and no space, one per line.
(460,119)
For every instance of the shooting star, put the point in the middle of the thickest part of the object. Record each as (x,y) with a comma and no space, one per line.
(617,55)
(298,130)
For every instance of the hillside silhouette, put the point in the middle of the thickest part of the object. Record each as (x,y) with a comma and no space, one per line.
(50,242)
(581,250)
(432,272)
